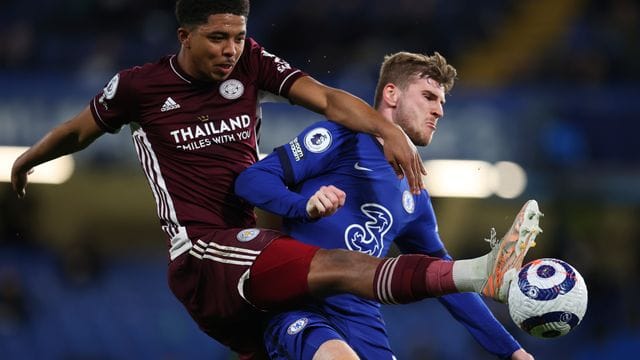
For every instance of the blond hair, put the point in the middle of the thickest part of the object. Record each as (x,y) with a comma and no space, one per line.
(400,68)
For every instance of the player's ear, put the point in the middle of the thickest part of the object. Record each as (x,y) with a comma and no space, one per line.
(184,38)
(390,94)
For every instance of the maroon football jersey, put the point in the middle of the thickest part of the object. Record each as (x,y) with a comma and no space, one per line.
(193,137)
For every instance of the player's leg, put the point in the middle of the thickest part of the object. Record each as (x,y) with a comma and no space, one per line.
(206,279)
(335,349)
(282,277)
(305,335)
(490,275)
(288,272)
(402,279)
(364,328)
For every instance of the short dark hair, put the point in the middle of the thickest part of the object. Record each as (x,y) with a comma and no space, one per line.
(196,12)
(401,67)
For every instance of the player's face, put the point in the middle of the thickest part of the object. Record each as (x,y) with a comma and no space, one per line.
(419,108)
(213,49)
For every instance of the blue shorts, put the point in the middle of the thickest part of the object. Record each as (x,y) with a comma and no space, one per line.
(298,335)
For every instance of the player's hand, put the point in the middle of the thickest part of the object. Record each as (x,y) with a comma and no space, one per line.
(325,202)
(19,179)
(521,354)
(403,156)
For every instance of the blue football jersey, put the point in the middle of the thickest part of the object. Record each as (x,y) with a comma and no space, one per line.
(379,209)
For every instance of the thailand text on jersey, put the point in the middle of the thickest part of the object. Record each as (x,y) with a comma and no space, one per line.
(194,137)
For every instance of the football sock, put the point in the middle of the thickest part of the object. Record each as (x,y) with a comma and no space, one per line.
(408,278)
(470,274)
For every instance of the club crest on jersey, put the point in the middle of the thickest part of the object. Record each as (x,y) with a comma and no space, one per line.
(317,140)
(112,87)
(109,91)
(231,89)
(247,235)
(407,202)
(297,326)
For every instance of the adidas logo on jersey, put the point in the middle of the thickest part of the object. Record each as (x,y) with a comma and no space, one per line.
(169,104)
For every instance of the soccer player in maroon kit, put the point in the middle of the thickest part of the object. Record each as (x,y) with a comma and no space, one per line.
(195,118)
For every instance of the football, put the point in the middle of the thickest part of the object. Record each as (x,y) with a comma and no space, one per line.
(548,298)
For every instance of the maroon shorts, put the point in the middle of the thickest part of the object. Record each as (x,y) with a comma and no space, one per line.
(208,280)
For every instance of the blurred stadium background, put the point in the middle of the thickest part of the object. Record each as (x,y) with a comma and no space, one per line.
(552,85)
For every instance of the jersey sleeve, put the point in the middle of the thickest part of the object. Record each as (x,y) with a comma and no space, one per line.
(471,312)
(316,150)
(270,183)
(263,186)
(274,73)
(113,107)
(468,309)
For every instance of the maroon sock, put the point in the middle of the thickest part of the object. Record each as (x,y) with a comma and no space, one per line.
(409,278)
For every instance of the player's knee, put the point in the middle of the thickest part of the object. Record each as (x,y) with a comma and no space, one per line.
(335,349)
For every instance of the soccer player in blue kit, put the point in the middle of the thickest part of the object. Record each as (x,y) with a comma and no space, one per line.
(327,168)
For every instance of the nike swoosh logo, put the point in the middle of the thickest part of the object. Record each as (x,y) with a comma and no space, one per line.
(358,167)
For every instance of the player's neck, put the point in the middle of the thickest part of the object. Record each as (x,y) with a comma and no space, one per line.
(386,113)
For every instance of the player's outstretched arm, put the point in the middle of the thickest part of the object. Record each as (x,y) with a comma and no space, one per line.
(467,309)
(68,137)
(274,196)
(354,113)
